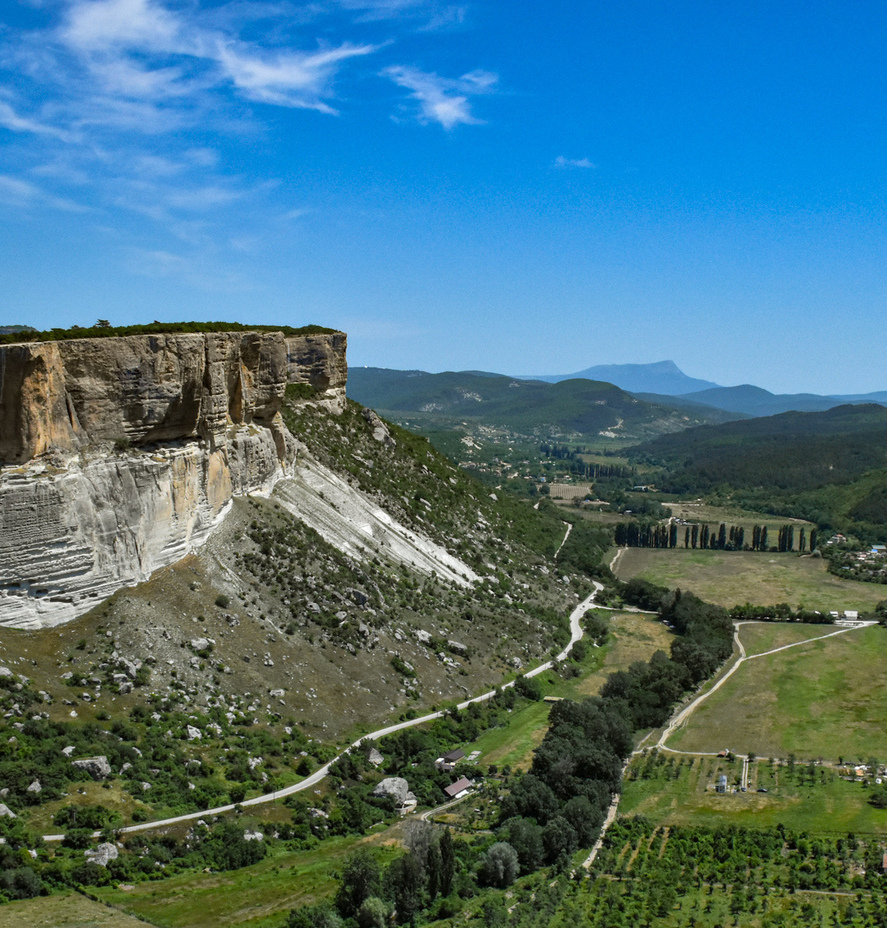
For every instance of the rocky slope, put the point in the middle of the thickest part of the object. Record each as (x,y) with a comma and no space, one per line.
(119,455)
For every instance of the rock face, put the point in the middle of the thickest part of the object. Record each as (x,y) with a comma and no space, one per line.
(120,455)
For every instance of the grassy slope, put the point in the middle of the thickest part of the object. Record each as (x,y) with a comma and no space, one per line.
(822,699)
(730,578)
(64,910)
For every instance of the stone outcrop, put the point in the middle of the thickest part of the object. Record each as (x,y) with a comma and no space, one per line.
(120,455)
(97,767)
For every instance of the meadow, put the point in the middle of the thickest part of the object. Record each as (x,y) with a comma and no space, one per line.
(730,578)
(824,698)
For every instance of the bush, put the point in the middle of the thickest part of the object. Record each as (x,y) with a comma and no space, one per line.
(500,867)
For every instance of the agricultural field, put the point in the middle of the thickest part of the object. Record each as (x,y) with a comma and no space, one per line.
(730,578)
(820,699)
(259,896)
(670,789)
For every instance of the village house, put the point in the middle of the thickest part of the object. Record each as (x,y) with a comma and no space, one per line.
(458,789)
(448,761)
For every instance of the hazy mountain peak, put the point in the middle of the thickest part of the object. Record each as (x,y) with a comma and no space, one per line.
(662,377)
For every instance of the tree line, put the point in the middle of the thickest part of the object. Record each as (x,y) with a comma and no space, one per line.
(639,534)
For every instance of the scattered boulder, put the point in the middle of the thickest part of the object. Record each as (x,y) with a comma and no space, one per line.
(192,733)
(6,812)
(102,854)
(97,767)
(253,836)
(35,788)
(380,430)
(395,787)
(375,757)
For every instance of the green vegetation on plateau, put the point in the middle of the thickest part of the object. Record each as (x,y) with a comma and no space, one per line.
(152,328)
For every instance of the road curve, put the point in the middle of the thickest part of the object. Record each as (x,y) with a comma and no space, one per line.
(319,774)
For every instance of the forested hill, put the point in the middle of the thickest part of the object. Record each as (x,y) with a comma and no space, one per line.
(830,466)
(582,407)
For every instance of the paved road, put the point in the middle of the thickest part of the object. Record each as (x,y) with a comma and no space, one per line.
(319,774)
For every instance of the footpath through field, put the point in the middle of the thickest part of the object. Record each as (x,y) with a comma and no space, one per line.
(681,718)
(319,774)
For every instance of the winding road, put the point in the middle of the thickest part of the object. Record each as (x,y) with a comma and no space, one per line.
(319,774)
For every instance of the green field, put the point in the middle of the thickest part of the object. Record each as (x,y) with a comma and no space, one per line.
(822,699)
(730,578)
(680,791)
(633,637)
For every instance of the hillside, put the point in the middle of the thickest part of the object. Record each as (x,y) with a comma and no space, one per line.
(829,467)
(755,401)
(362,579)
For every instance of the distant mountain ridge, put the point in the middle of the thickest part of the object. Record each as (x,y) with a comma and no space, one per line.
(755,401)
(578,407)
(661,377)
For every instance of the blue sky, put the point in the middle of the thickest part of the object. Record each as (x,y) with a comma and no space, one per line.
(522,187)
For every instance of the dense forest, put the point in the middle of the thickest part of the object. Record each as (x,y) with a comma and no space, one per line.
(827,467)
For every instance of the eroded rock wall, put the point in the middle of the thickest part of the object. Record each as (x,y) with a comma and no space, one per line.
(118,456)
(144,389)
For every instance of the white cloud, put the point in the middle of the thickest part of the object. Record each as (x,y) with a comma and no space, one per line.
(562,162)
(292,79)
(442,99)
(101,25)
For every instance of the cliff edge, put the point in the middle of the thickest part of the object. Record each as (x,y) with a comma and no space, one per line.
(119,455)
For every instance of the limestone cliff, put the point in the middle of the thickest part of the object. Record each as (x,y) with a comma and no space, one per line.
(119,455)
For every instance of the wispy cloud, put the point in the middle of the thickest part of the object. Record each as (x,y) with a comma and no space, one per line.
(443,100)
(430,14)
(17,192)
(11,120)
(293,79)
(138,108)
(582,163)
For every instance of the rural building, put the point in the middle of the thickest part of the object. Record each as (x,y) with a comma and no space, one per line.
(722,783)
(458,789)
(449,761)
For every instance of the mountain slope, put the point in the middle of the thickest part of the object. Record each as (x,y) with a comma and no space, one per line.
(755,401)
